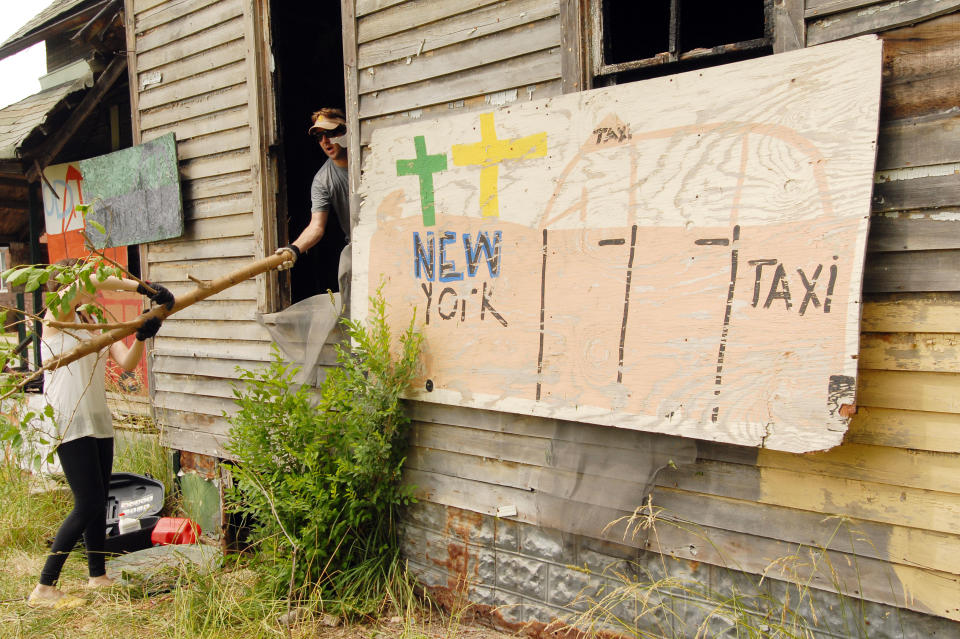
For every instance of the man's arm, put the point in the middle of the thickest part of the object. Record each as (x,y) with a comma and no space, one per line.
(314,231)
(305,241)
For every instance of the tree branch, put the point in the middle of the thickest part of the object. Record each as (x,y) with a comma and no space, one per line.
(93,326)
(209,288)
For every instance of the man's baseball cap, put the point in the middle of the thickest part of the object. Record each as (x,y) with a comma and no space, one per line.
(332,120)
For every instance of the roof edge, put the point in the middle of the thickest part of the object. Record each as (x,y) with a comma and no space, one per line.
(44,31)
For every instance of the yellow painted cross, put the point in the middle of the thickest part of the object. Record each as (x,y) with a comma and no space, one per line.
(489,152)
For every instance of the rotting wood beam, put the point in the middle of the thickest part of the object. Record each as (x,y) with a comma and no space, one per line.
(51,30)
(51,147)
(99,21)
(574,46)
(789,28)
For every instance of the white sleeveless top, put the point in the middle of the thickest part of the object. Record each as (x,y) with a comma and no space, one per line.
(76,391)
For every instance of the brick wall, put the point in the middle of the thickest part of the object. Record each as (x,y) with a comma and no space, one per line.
(520,576)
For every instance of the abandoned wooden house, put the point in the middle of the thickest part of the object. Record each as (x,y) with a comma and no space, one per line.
(516,489)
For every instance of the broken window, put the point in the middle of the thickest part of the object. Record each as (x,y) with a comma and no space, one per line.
(636,40)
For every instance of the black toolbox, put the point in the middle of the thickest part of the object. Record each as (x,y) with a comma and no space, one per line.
(140,496)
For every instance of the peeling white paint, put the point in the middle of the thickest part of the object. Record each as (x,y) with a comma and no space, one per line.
(869,11)
(455,105)
(914,172)
(415,114)
(501,97)
(946,216)
(940,216)
(149,79)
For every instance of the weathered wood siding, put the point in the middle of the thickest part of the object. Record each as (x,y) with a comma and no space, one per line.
(194,72)
(427,58)
(893,483)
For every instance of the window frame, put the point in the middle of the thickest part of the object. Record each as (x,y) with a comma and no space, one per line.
(601,68)
(582,41)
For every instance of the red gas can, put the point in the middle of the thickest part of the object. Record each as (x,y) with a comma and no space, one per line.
(175,530)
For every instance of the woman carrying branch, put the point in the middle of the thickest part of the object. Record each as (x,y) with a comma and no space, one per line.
(85,429)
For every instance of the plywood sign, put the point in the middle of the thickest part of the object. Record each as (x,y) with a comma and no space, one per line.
(135,194)
(680,255)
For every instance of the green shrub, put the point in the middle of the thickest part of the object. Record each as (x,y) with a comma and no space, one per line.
(322,483)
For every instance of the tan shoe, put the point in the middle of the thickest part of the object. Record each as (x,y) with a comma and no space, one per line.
(63,602)
(100,582)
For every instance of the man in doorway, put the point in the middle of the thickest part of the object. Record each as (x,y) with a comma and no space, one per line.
(330,191)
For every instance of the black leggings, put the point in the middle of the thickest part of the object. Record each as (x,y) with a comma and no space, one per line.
(87,463)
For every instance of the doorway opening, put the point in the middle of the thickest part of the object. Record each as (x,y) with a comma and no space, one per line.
(308,75)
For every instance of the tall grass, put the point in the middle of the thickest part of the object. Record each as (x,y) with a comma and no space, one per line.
(141,453)
(180,603)
(30,511)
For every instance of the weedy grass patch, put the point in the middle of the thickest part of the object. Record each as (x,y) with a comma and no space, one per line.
(318,476)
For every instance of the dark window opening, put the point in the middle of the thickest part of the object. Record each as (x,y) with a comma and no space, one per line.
(308,75)
(705,24)
(635,30)
(639,40)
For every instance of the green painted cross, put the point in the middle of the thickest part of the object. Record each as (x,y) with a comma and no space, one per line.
(424,166)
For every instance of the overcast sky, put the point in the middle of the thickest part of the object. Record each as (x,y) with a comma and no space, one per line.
(19,73)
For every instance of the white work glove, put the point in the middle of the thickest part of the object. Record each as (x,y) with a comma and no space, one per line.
(292,253)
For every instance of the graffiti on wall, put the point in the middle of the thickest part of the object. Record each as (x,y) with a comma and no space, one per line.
(64,238)
(665,255)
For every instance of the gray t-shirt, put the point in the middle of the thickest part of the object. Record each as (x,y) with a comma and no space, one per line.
(330,191)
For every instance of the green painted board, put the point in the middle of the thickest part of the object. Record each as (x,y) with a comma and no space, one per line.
(201,502)
(135,194)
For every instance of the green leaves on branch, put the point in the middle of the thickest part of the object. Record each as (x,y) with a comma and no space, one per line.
(70,277)
(322,483)
(28,434)
(28,431)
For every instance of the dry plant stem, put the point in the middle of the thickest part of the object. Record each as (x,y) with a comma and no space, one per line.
(25,314)
(93,326)
(65,326)
(62,325)
(293,574)
(293,545)
(183,301)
